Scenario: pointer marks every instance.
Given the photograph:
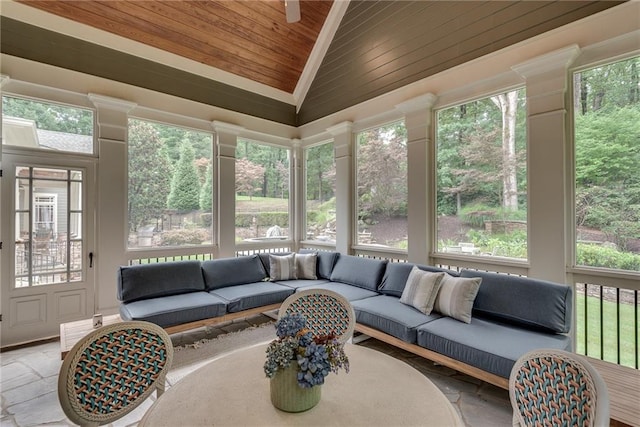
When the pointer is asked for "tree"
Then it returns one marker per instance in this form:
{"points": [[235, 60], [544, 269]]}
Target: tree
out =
{"points": [[185, 185], [149, 174], [321, 172], [248, 176], [50, 116], [508, 104], [382, 171], [206, 192]]}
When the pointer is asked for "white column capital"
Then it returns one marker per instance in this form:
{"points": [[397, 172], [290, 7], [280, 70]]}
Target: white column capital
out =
{"points": [[4, 79], [558, 60], [419, 103], [341, 128], [110, 103], [227, 128]]}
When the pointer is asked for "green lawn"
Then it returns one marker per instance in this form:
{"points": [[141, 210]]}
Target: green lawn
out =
{"points": [[628, 330]]}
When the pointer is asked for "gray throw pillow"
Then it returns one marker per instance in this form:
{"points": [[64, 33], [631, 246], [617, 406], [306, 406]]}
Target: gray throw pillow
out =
{"points": [[282, 267], [306, 266], [456, 297], [421, 289]]}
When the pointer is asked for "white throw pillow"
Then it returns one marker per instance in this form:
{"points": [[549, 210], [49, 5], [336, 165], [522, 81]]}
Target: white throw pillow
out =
{"points": [[421, 289], [282, 267], [306, 266], [456, 297]]}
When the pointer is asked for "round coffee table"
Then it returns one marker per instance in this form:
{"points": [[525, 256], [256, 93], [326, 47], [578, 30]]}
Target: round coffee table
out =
{"points": [[233, 390]]}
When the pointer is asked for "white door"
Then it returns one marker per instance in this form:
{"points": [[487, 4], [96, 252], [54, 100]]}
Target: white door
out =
{"points": [[48, 239]]}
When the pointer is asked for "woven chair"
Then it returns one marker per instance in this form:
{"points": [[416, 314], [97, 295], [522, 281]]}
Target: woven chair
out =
{"points": [[556, 388], [327, 312], [111, 371]]}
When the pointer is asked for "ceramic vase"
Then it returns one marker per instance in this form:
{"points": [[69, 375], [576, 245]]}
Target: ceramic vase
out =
{"points": [[288, 396]]}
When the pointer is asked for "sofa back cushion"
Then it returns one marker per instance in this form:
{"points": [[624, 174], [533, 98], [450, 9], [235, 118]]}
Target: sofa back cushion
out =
{"points": [[396, 275], [533, 303], [326, 262], [241, 270], [136, 282], [266, 262], [365, 273]]}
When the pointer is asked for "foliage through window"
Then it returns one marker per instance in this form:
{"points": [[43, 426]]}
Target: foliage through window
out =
{"points": [[41, 125], [262, 192], [170, 186], [320, 169], [481, 177], [382, 186], [607, 155]]}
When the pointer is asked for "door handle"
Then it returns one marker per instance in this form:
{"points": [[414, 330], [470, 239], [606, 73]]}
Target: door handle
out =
{"points": [[90, 259]]}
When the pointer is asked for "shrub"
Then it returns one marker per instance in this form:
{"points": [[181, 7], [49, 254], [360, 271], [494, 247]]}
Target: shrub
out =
{"points": [[263, 219], [192, 236], [606, 257]]}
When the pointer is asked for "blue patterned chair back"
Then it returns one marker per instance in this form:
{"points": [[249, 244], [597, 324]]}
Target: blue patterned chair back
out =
{"points": [[557, 388], [112, 370], [327, 312]]}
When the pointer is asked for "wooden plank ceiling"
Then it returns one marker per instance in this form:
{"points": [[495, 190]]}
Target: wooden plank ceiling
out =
{"points": [[251, 39]]}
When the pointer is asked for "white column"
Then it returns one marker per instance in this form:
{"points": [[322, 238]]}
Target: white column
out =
{"points": [[343, 148], [112, 197], [546, 84], [225, 215], [421, 177], [297, 193]]}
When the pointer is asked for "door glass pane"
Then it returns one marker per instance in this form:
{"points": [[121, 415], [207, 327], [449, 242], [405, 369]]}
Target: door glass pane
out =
{"points": [[48, 227]]}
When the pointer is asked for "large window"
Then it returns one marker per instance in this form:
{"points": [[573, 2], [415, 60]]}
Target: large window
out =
{"points": [[481, 177], [40, 125], [170, 186], [320, 208], [382, 186], [262, 192], [607, 165]]}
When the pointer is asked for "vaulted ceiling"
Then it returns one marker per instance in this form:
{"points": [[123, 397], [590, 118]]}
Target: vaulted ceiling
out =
{"points": [[243, 56], [250, 39]]}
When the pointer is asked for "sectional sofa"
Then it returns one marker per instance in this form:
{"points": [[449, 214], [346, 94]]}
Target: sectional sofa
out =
{"points": [[507, 315]]}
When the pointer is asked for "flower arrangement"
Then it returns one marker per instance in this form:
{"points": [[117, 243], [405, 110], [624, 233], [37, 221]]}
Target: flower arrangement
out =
{"points": [[316, 357]]}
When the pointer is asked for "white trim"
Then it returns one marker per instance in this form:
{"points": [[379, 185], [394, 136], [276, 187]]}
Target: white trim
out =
{"points": [[319, 50]]}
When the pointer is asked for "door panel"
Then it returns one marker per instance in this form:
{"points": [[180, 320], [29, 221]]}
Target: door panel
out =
{"points": [[46, 277]]}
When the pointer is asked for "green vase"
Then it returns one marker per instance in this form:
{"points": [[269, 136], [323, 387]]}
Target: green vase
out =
{"points": [[288, 396]]}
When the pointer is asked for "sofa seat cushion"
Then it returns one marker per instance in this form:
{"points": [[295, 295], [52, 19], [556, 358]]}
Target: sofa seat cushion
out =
{"points": [[252, 295], [389, 315], [302, 283], [223, 272], [358, 271], [532, 303], [491, 346], [137, 282], [351, 293], [175, 309]]}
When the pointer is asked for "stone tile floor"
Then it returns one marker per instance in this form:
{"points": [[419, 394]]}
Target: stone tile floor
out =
{"points": [[29, 375]]}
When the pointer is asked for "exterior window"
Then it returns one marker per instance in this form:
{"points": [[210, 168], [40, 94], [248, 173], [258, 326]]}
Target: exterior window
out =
{"points": [[382, 186], [262, 192], [39, 125], [170, 186], [320, 169], [481, 177], [48, 226], [607, 155]]}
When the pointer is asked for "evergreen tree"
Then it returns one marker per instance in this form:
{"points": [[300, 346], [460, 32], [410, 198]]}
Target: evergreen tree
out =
{"points": [[185, 185], [206, 192], [149, 174]]}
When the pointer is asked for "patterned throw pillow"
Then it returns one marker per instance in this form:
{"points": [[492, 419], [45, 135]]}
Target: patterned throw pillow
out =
{"points": [[421, 289], [282, 267], [456, 297], [306, 266]]}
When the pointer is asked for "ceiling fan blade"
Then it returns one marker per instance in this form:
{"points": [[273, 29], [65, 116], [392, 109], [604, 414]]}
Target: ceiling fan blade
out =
{"points": [[292, 8]]}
